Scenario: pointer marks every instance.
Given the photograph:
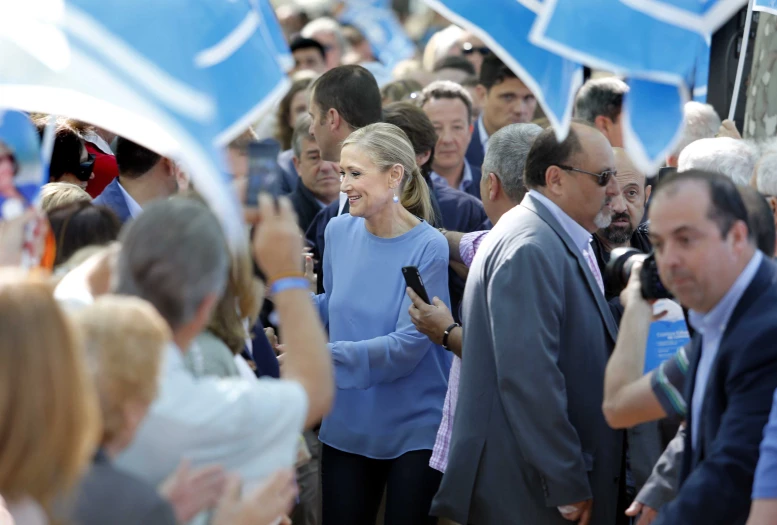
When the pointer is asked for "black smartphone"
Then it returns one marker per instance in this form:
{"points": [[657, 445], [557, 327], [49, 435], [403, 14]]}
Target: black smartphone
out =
{"points": [[414, 282], [264, 173]]}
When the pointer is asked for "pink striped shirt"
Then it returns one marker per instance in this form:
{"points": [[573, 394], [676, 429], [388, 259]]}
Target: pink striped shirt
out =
{"points": [[468, 247]]}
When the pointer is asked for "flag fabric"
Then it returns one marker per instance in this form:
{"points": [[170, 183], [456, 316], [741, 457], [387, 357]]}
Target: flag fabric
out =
{"points": [[21, 169], [702, 16], [766, 6], [662, 61], [182, 78], [382, 29], [504, 25]]}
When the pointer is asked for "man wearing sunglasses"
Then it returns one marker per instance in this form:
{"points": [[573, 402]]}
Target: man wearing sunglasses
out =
{"points": [[529, 441], [474, 50]]}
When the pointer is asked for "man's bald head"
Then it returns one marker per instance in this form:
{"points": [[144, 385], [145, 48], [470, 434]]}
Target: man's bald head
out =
{"points": [[629, 207]]}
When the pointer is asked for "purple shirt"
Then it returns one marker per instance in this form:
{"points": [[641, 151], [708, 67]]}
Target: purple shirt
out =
{"points": [[468, 247]]}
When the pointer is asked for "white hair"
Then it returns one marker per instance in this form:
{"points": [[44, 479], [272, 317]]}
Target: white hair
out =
{"points": [[766, 174], [326, 25], [701, 122], [506, 156], [730, 157], [440, 45]]}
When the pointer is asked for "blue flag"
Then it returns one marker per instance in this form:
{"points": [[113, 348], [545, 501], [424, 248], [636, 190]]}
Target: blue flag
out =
{"points": [[382, 29], [662, 61], [702, 16], [504, 25], [767, 6], [21, 169], [182, 78]]}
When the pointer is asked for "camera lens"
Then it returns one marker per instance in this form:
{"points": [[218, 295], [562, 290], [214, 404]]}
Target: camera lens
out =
{"points": [[618, 269]]}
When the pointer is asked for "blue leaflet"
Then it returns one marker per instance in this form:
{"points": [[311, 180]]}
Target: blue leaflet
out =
{"points": [[504, 25], [666, 335]]}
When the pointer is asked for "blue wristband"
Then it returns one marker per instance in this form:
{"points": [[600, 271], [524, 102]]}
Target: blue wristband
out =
{"points": [[289, 283]]}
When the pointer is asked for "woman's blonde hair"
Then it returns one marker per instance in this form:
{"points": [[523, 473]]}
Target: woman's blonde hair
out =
{"points": [[241, 300], [125, 339], [56, 194], [387, 145], [50, 422]]}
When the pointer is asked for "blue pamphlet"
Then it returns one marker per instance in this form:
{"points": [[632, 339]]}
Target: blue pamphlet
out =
{"points": [[667, 335]]}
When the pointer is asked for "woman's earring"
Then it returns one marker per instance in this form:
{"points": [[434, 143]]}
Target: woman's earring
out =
{"points": [[396, 198]]}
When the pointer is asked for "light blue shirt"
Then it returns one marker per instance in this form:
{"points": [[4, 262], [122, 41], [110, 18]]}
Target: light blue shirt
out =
{"points": [[579, 235], [466, 178], [712, 326], [391, 379], [133, 207]]}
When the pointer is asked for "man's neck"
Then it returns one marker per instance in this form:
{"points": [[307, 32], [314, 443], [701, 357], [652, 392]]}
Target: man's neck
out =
{"points": [[490, 128], [500, 207], [143, 189], [453, 175]]}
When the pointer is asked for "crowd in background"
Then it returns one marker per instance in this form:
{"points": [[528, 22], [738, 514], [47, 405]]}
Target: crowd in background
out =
{"points": [[158, 377]]}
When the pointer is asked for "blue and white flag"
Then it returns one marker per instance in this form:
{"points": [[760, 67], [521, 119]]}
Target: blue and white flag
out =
{"points": [[767, 6], [21, 169], [701, 75], [382, 29], [702, 16], [180, 77], [504, 25], [661, 60]]}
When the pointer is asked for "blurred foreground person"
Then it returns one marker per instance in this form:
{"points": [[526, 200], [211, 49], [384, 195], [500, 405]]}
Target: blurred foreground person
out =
{"points": [[114, 330], [81, 224], [391, 380], [55, 194], [51, 419], [181, 269]]}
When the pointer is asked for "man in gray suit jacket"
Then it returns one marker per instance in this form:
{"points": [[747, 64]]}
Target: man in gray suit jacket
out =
{"points": [[530, 444]]}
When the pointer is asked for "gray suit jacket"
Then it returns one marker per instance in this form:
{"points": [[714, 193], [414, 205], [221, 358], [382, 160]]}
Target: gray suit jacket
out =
{"points": [[108, 495], [529, 434]]}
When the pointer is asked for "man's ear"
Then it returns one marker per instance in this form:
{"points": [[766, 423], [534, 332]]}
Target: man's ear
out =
{"points": [[603, 124], [482, 92], [648, 191], [494, 185], [295, 161], [772, 200], [334, 120], [553, 179], [423, 158]]}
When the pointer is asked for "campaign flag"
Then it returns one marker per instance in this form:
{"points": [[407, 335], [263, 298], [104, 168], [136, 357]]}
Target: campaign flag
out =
{"points": [[182, 78], [21, 169], [504, 25], [767, 6], [702, 16], [661, 60], [382, 29]]}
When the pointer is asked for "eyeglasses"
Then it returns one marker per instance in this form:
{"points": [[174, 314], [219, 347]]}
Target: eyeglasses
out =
{"points": [[468, 49], [602, 178], [85, 170]]}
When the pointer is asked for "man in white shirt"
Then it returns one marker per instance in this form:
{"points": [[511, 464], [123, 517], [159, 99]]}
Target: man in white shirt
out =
{"points": [[250, 427], [144, 176]]}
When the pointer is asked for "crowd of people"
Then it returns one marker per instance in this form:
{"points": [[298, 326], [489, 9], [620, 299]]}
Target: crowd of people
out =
{"points": [[156, 376]]}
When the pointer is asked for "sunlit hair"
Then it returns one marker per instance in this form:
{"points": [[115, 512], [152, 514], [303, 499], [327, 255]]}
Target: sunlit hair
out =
{"points": [[387, 145], [50, 421], [125, 339], [56, 194], [283, 131]]}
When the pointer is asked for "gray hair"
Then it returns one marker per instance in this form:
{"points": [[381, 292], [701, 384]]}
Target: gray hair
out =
{"points": [[506, 157], [447, 89], [766, 174], [600, 97], [732, 158], [301, 131], [174, 255], [326, 25], [701, 122]]}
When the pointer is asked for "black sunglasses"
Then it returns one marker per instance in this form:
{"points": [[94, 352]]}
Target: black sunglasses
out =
{"points": [[602, 178], [85, 169], [468, 49]]}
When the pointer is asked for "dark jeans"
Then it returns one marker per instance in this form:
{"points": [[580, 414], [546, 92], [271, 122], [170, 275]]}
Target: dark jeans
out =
{"points": [[353, 487]]}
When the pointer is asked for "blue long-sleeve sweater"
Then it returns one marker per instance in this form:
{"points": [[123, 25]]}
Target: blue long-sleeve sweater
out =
{"points": [[391, 380]]}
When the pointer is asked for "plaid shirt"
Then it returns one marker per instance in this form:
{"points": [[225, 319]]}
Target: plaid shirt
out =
{"points": [[468, 247]]}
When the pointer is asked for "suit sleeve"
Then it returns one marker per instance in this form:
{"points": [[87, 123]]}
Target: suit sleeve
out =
{"points": [[661, 486], [526, 307], [361, 364], [718, 489], [160, 514]]}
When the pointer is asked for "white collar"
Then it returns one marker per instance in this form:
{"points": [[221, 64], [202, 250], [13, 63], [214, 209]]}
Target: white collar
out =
{"points": [[580, 236], [482, 133], [98, 141], [132, 205]]}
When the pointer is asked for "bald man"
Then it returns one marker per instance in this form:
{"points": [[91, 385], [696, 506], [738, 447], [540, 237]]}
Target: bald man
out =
{"points": [[624, 230]]}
